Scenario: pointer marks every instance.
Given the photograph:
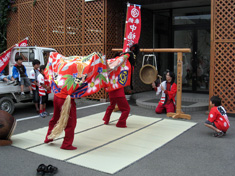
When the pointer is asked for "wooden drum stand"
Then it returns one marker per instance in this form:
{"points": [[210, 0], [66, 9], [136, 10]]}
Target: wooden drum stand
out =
{"points": [[180, 51]]}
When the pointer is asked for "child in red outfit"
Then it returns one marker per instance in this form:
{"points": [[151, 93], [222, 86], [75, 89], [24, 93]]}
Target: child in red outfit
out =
{"points": [[118, 97], [168, 89], [69, 129], [217, 118]]}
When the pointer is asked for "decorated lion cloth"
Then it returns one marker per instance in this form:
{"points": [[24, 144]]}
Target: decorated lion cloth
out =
{"points": [[80, 76]]}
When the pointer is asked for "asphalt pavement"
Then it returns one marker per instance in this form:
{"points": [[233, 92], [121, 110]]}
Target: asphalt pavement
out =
{"points": [[193, 153]]}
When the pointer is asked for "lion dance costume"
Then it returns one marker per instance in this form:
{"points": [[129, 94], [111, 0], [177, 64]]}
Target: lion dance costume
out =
{"points": [[78, 76]]}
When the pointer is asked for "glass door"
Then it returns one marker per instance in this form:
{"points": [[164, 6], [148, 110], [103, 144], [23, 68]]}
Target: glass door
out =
{"points": [[191, 29], [184, 39], [196, 65], [203, 59]]}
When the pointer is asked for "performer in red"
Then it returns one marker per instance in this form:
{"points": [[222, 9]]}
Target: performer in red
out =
{"points": [[168, 89], [70, 127], [117, 97]]}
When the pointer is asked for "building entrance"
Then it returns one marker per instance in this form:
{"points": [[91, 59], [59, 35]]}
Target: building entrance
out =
{"points": [[185, 28], [193, 31], [196, 65]]}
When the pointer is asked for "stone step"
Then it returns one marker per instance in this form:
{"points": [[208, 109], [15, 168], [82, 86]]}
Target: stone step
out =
{"points": [[189, 101], [186, 106], [191, 97]]}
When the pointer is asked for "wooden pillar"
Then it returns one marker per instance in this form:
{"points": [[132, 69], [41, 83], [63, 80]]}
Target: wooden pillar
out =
{"points": [[179, 113]]}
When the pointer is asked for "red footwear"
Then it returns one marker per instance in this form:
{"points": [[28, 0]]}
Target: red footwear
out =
{"points": [[69, 148], [106, 122], [121, 126], [48, 140]]}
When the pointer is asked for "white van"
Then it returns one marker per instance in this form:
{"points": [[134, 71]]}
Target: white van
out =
{"points": [[10, 94]]}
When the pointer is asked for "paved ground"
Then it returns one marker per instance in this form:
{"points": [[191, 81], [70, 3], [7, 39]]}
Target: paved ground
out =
{"points": [[194, 153]]}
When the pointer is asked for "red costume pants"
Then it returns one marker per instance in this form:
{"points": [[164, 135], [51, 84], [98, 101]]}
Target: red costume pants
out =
{"points": [[69, 129], [123, 107], [170, 107]]}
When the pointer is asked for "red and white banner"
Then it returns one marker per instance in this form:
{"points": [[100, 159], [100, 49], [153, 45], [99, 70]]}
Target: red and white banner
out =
{"points": [[133, 26], [121, 76], [5, 57]]}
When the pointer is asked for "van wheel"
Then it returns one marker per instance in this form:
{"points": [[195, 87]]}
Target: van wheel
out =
{"points": [[6, 104]]}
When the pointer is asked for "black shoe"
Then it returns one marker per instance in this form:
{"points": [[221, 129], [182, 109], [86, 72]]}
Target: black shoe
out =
{"points": [[10, 82], [219, 134], [42, 168], [15, 83], [51, 170]]}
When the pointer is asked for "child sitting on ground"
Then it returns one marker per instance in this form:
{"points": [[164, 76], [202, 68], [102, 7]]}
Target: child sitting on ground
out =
{"points": [[19, 73], [217, 118], [43, 89], [7, 78]]}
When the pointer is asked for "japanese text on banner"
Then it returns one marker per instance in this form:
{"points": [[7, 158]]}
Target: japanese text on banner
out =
{"points": [[133, 26]]}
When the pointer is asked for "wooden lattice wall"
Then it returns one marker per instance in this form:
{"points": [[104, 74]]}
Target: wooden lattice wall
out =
{"points": [[222, 74], [115, 26], [76, 27], [73, 27]]}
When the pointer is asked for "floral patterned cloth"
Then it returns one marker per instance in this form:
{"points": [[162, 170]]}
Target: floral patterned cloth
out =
{"points": [[80, 76]]}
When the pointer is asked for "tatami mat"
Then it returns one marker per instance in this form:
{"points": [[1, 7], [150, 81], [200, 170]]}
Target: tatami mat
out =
{"points": [[105, 147]]}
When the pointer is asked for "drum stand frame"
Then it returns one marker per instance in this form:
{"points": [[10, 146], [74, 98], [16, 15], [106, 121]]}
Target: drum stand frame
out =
{"points": [[154, 59], [179, 51]]}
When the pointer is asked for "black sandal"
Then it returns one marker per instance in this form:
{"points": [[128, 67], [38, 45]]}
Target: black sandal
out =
{"points": [[41, 169], [219, 134], [51, 170]]}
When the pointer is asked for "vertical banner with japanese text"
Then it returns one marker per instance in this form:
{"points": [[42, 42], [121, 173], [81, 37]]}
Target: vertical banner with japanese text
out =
{"points": [[121, 76], [5, 56], [133, 26]]}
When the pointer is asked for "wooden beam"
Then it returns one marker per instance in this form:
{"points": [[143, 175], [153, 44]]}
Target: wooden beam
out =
{"points": [[159, 50]]}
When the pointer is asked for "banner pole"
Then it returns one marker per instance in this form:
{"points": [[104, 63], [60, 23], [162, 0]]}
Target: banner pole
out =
{"points": [[125, 29], [134, 4]]}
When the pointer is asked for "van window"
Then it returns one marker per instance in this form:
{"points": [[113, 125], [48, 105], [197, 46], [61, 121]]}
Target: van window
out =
{"points": [[46, 55], [27, 56], [31, 57]]}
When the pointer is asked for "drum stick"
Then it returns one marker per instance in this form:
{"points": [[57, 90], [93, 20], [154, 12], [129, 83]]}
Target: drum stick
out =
{"points": [[160, 78]]}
